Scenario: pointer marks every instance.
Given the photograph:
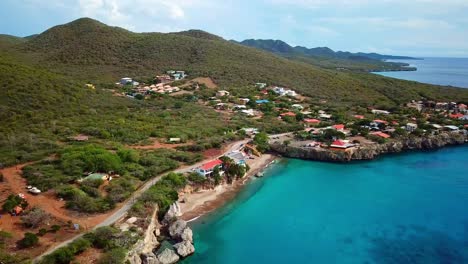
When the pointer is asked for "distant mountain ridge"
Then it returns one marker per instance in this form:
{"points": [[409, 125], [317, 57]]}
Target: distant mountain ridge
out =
{"points": [[281, 47]]}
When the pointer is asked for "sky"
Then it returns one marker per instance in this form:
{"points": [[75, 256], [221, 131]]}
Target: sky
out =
{"points": [[425, 28]]}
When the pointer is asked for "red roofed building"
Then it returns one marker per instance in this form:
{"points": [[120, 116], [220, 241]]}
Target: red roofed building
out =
{"points": [[288, 114], [207, 168], [311, 121], [341, 144], [339, 127], [381, 134], [359, 116], [378, 121], [462, 106], [456, 116]]}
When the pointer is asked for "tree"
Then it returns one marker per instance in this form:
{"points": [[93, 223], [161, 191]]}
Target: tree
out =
{"points": [[28, 241], [114, 256], [261, 141], [34, 217]]}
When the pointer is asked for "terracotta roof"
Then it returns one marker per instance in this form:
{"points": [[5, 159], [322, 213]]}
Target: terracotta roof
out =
{"points": [[381, 134], [210, 165], [312, 120], [339, 126], [380, 121], [288, 114], [338, 143], [458, 115], [359, 116]]}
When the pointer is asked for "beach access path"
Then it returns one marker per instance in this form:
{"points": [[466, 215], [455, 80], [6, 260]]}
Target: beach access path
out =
{"points": [[122, 211]]}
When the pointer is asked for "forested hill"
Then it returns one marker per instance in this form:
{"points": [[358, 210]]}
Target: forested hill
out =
{"points": [[89, 50], [279, 46]]}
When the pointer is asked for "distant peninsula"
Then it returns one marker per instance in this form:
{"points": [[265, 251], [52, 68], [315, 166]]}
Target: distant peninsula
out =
{"points": [[328, 58]]}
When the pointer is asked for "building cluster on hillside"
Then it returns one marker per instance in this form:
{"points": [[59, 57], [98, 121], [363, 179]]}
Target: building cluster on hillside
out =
{"points": [[161, 85]]}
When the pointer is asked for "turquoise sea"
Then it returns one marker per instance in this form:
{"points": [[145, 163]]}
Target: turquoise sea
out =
{"points": [[440, 71], [407, 208]]}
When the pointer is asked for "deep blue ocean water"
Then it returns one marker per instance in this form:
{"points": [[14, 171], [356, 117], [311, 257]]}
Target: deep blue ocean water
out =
{"points": [[408, 208], [441, 71]]}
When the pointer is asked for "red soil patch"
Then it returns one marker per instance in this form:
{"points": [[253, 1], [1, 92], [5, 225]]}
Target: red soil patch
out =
{"points": [[212, 153]]}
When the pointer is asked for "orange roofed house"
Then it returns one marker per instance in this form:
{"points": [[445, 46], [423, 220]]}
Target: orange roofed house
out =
{"points": [[207, 168]]}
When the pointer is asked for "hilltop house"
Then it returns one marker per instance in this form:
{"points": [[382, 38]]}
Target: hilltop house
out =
{"points": [[261, 85], [381, 134], [238, 157], [339, 127], [208, 168]]}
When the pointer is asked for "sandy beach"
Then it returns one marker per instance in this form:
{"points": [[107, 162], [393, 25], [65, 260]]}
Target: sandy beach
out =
{"points": [[199, 203]]}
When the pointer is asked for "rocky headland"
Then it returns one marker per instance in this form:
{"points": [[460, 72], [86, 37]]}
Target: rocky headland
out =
{"points": [[371, 151]]}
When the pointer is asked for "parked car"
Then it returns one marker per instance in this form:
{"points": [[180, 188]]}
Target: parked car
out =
{"points": [[34, 190]]}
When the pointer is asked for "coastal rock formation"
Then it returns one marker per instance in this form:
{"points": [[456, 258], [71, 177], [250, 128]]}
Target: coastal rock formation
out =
{"points": [[173, 212], [369, 152], [187, 235], [143, 249], [184, 248], [168, 256], [149, 258], [177, 228]]}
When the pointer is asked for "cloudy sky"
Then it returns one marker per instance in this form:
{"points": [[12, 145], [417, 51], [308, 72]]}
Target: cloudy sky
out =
{"points": [[400, 27]]}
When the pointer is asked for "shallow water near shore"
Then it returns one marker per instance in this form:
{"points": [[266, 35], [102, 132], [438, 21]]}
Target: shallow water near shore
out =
{"points": [[408, 208]]}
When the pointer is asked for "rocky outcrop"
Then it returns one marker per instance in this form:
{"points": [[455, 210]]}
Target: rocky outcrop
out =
{"points": [[177, 228], [149, 258], [168, 256], [184, 248], [173, 213], [372, 151], [187, 235], [144, 248]]}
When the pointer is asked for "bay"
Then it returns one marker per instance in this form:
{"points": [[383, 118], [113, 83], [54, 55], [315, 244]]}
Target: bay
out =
{"points": [[408, 208]]}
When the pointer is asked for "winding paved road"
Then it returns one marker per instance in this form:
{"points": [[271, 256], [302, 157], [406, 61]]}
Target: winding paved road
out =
{"points": [[122, 211]]}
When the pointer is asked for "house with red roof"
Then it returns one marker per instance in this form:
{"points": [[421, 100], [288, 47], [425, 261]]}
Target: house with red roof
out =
{"points": [[381, 134], [311, 121], [341, 144], [339, 127], [207, 168], [291, 114], [379, 121], [359, 116], [456, 116]]}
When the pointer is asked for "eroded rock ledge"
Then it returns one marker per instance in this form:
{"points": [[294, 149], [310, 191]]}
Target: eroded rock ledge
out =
{"points": [[372, 151]]}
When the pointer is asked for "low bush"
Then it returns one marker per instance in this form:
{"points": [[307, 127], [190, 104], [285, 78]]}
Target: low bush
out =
{"points": [[29, 240]]}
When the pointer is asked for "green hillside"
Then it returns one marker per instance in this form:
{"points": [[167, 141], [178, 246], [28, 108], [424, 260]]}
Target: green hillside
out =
{"points": [[89, 50]]}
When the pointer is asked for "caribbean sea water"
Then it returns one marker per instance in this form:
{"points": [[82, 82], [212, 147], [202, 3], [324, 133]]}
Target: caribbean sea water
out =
{"points": [[408, 208], [441, 71]]}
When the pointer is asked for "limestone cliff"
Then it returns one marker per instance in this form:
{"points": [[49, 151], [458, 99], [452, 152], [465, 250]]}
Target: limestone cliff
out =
{"points": [[372, 151]]}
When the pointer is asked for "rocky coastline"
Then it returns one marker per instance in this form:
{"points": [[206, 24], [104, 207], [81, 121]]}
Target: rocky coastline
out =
{"points": [[371, 151], [164, 243]]}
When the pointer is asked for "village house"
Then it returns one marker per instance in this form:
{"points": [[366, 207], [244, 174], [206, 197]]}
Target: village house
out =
{"points": [[238, 157], [244, 100], [290, 114], [248, 112], [261, 85], [250, 131], [339, 127], [381, 134], [163, 78], [342, 144], [263, 101], [298, 107], [208, 168], [359, 116], [222, 93], [380, 112], [410, 127], [451, 128], [311, 121]]}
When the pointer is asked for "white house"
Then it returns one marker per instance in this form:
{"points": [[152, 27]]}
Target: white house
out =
{"points": [[380, 112], [410, 127], [222, 93], [208, 168]]}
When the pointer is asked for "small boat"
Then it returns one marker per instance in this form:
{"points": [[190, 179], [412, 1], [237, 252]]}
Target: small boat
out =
{"points": [[259, 175]]}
